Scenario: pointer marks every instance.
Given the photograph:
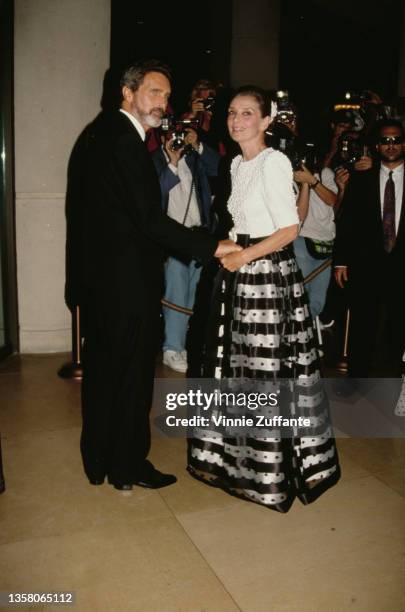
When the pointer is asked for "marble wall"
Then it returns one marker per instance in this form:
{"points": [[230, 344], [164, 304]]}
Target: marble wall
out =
{"points": [[61, 54]]}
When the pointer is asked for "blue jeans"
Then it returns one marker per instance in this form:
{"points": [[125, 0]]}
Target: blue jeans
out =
{"points": [[181, 284], [318, 287]]}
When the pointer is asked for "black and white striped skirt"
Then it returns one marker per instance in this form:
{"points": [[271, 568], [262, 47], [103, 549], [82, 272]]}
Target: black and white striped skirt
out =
{"points": [[261, 330]]}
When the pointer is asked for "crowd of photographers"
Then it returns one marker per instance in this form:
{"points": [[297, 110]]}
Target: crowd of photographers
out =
{"points": [[355, 218], [349, 190]]}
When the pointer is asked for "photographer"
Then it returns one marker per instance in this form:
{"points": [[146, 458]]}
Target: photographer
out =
{"points": [[183, 165], [316, 199], [352, 162], [351, 156], [202, 108], [201, 103], [315, 240], [342, 121]]}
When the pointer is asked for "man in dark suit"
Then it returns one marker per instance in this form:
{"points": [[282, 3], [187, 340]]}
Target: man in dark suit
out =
{"points": [[370, 255], [115, 240]]}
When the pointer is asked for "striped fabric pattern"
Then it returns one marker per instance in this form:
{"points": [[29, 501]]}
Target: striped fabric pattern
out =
{"points": [[262, 330]]}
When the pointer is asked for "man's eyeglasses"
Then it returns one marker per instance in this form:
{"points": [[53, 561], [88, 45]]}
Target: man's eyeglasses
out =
{"points": [[386, 140]]}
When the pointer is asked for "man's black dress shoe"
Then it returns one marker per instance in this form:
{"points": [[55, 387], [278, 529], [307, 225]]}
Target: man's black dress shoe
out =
{"points": [[121, 486], [96, 481], [151, 478]]}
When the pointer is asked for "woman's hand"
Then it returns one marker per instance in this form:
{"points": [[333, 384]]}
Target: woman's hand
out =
{"points": [[234, 261]]}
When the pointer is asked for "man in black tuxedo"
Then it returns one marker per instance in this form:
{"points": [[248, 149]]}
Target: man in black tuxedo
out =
{"points": [[116, 232], [369, 254]]}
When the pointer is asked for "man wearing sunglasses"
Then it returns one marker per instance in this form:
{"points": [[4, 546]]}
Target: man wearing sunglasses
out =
{"points": [[369, 256]]}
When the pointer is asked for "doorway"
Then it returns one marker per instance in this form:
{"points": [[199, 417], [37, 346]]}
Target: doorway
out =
{"points": [[8, 285]]}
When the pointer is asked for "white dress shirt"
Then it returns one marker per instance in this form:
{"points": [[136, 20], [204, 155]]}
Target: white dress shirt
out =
{"points": [[180, 193], [135, 123], [398, 178]]}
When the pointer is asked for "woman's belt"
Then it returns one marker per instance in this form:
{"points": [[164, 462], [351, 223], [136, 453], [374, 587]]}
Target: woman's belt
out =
{"points": [[244, 240]]}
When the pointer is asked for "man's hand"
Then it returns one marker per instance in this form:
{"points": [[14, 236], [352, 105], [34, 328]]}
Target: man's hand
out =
{"points": [[341, 178], [341, 276], [234, 261], [225, 247], [364, 163]]}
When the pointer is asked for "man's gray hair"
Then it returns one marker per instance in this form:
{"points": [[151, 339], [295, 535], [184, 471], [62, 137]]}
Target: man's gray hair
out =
{"points": [[134, 75]]}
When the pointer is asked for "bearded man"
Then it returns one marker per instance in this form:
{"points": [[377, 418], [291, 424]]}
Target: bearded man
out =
{"points": [[116, 233]]}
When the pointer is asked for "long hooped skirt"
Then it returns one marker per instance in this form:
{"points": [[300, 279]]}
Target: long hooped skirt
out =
{"points": [[261, 330]]}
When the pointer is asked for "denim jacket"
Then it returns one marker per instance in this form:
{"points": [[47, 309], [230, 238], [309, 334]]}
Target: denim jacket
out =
{"points": [[207, 165]]}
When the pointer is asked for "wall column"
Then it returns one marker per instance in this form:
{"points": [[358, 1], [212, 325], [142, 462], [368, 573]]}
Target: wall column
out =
{"points": [[255, 43], [401, 71], [60, 56]]}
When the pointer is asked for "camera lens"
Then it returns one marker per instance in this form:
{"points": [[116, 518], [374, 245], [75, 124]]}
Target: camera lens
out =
{"points": [[178, 143]]}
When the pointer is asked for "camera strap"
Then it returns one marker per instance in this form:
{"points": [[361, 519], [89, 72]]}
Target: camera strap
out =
{"points": [[192, 188]]}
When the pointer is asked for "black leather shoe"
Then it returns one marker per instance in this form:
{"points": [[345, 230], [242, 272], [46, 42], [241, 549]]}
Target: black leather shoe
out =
{"points": [[121, 486], [151, 478], [96, 481]]}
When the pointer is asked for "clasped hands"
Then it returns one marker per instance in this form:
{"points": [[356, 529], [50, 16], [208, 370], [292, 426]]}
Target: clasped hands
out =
{"points": [[232, 255]]}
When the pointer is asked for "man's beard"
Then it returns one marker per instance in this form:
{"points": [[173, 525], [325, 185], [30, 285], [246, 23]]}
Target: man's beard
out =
{"points": [[151, 119]]}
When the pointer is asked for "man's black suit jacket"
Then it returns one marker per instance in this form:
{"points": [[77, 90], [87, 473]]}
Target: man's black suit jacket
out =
{"points": [[116, 231], [359, 240]]}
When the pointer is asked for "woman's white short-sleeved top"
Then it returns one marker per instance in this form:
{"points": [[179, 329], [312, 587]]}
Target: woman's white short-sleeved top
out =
{"points": [[262, 199]]}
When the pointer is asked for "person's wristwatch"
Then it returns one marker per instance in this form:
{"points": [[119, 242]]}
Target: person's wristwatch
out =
{"points": [[315, 184]]}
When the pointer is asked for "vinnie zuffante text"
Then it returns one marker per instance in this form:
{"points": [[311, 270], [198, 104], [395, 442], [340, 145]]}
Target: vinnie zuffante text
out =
{"points": [[215, 401]]}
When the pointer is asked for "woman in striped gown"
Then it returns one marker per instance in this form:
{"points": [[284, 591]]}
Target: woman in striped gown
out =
{"points": [[261, 331]]}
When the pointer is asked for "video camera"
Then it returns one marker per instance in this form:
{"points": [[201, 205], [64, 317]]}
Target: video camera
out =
{"points": [[283, 135], [285, 110], [361, 102], [299, 153], [179, 129]]}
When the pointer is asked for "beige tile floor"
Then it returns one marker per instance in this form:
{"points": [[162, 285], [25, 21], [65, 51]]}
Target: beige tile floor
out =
{"points": [[189, 547]]}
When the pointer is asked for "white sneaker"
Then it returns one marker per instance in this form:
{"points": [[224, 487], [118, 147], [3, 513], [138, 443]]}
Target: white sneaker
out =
{"points": [[326, 325], [175, 360]]}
